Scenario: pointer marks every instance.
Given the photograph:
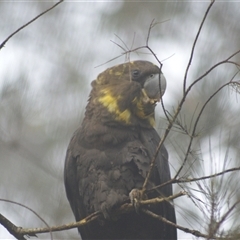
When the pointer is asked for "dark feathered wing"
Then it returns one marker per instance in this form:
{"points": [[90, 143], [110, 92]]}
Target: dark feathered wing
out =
{"points": [[161, 174]]}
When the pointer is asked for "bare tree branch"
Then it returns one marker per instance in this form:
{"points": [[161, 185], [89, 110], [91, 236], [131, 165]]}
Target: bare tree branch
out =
{"points": [[19, 232], [16, 231], [187, 230], [194, 45], [188, 180], [13, 229], [192, 135], [213, 231], [28, 23]]}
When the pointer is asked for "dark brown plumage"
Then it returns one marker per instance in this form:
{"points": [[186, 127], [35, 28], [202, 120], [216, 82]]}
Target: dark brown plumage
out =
{"points": [[110, 154]]}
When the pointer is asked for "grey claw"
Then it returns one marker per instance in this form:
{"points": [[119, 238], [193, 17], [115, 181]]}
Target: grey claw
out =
{"points": [[135, 196]]}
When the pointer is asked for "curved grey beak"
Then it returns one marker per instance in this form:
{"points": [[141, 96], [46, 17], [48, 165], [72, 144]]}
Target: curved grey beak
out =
{"points": [[155, 86]]}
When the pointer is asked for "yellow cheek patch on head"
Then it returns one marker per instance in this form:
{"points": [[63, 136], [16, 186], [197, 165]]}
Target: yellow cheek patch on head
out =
{"points": [[111, 103]]}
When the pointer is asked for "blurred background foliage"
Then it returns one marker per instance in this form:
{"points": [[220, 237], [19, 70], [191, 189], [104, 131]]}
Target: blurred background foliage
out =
{"points": [[45, 75]]}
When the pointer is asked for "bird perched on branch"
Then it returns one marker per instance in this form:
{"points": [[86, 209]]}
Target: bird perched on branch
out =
{"points": [[109, 156]]}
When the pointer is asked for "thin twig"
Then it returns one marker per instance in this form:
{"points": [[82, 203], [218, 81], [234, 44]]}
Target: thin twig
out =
{"points": [[224, 218], [188, 180], [162, 199], [187, 230], [212, 68], [194, 45], [152, 24], [25, 25]]}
